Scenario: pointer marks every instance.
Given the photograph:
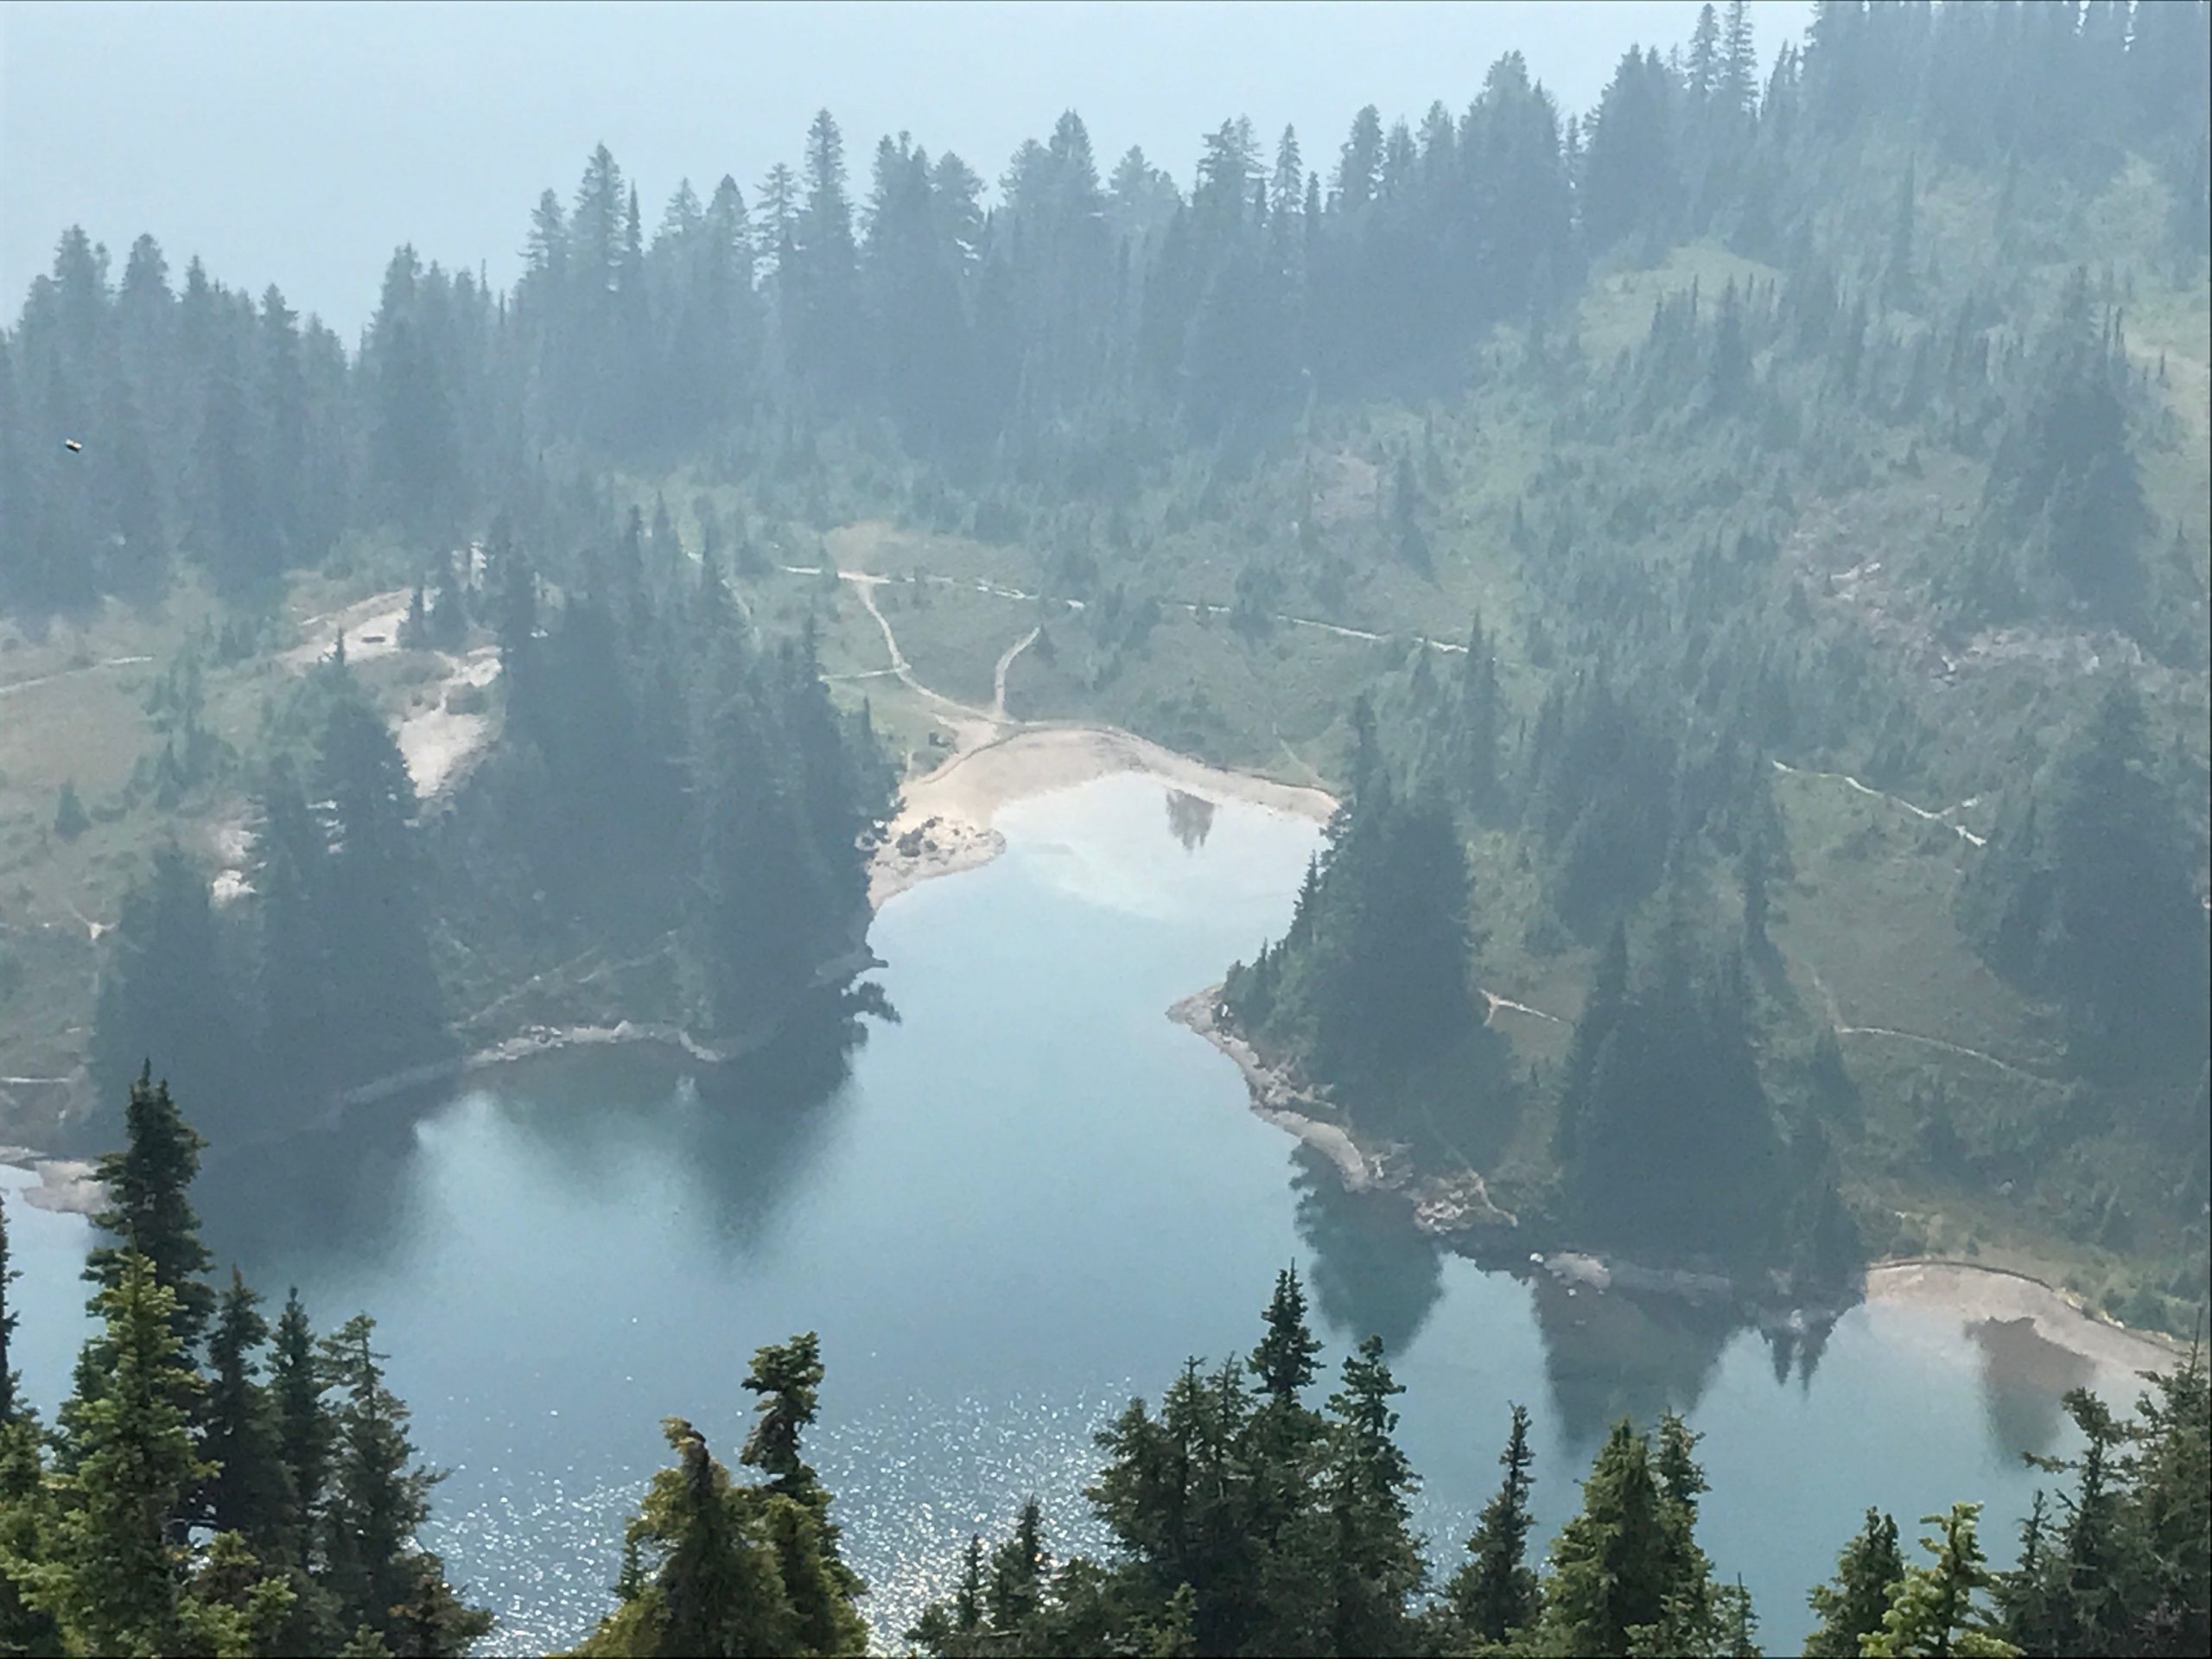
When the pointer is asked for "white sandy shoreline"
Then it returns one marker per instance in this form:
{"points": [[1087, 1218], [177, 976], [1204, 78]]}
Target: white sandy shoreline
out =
{"points": [[947, 814], [1974, 1293]]}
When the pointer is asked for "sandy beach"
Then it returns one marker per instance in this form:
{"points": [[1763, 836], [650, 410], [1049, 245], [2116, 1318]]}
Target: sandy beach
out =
{"points": [[1975, 1295], [945, 816]]}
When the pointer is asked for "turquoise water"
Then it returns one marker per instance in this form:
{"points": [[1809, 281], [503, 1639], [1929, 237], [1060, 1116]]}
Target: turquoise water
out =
{"points": [[1031, 1197]]}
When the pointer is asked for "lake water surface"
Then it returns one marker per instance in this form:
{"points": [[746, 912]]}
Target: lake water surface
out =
{"points": [[1032, 1197]]}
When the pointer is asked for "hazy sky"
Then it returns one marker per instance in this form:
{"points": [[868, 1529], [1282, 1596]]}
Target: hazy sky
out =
{"points": [[300, 143]]}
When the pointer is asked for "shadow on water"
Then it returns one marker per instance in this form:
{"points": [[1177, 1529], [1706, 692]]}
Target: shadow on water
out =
{"points": [[2025, 1377], [747, 1130], [759, 1122], [1797, 1349], [1371, 1275], [1619, 1355], [319, 1191], [1190, 817]]}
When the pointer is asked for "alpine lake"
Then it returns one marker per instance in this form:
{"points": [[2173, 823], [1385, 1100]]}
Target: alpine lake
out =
{"points": [[1029, 1198]]}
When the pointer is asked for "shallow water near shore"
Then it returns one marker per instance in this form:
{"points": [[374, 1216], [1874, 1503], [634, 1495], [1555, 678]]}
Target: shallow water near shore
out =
{"points": [[1031, 1197]]}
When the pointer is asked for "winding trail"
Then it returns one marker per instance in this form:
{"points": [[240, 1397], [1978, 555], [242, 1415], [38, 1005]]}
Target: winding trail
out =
{"points": [[2005, 1066], [1006, 662], [904, 670], [1921, 813], [1497, 1002], [1299, 761], [10, 690], [1835, 1023], [867, 579]]}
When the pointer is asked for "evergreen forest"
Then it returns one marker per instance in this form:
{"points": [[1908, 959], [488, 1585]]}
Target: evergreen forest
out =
{"points": [[1739, 553], [1737, 558]]}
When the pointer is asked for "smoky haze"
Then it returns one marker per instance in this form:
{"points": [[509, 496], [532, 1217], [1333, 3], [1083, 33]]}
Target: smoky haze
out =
{"points": [[301, 144]]}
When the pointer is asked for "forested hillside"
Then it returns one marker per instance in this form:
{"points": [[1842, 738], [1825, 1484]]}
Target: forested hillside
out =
{"points": [[218, 1484], [665, 787], [1740, 551]]}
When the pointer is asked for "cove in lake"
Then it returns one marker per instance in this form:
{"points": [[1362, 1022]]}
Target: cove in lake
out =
{"points": [[1031, 1197]]}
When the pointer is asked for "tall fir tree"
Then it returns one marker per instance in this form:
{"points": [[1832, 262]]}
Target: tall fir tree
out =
{"points": [[248, 1494], [1495, 1592], [148, 1213]]}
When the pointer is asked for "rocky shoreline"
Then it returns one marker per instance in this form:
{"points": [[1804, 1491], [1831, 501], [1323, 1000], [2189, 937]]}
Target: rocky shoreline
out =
{"points": [[66, 1185], [1441, 1205], [1460, 1214], [537, 1040], [945, 827]]}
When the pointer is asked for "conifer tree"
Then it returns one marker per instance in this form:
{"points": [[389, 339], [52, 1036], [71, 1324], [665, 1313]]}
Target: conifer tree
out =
{"points": [[289, 872], [448, 616], [2022, 1596], [1283, 1361], [1608, 1577], [26, 1518], [1704, 65], [432, 1622], [1496, 1592], [1018, 1571], [2166, 1466], [1603, 1008], [818, 1586], [1699, 1615], [237, 1606], [162, 991], [28, 1533], [1738, 86], [1934, 1609], [379, 1495], [10, 1382], [1852, 1605], [714, 1590], [114, 1579], [374, 893], [1481, 714], [296, 1384], [248, 1494], [149, 1211], [1377, 1562], [70, 820], [2082, 892], [786, 1376]]}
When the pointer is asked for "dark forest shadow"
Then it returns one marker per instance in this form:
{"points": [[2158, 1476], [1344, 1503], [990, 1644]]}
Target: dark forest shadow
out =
{"points": [[1372, 1274], [1612, 1354]]}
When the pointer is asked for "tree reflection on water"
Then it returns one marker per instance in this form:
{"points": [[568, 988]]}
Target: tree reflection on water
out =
{"points": [[1190, 817]]}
